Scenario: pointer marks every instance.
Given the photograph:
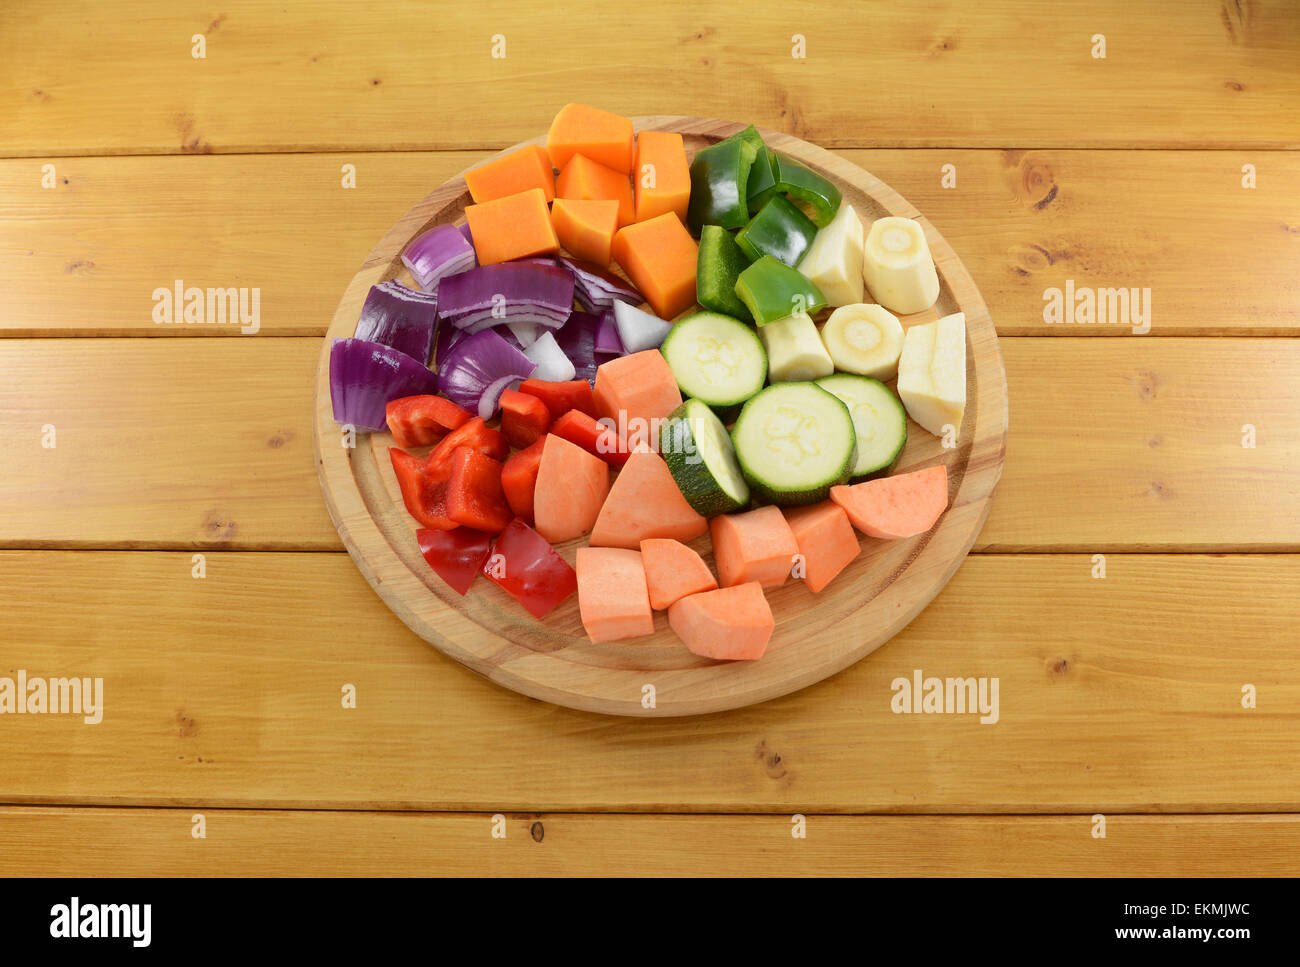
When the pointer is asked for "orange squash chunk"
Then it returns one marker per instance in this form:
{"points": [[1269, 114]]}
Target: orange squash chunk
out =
{"points": [[601, 136], [513, 227], [661, 177], [585, 180], [518, 171], [586, 228], [659, 257]]}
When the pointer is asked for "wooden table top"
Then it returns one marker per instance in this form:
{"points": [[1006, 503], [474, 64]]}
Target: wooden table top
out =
{"points": [[1136, 590]]}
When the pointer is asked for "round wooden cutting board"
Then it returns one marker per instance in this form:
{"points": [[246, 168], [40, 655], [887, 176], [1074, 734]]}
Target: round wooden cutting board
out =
{"points": [[816, 635]]}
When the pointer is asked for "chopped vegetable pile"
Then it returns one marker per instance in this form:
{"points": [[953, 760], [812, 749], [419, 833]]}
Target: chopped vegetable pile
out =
{"points": [[631, 345]]}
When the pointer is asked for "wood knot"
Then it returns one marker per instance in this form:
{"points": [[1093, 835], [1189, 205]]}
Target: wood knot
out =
{"points": [[1035, 183], [537, 831], [941, 46], [1236, 19], [772, 762], [218, 526], [1147, 385], [186, 726], [1031, 258], [1060, 666]]}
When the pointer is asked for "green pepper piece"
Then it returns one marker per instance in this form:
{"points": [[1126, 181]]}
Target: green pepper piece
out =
{"points": [[773, 290], [779, 230], [717, 267], [762, 180], [749, 134], [821, 198], [719, 174]]}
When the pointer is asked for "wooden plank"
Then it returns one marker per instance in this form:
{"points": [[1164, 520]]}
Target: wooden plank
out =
{"points": [[314, 76], [158, 842], [1121, 694], [113, 230], [201, 442], [1022, 222], [206, 443]]}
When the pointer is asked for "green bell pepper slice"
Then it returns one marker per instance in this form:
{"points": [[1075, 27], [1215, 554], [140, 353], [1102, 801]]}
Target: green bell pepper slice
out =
{"points": [[762, 180], [819, 197], [719, 177], [718, 265], [772, 290], [749, 135], [780, 230]]}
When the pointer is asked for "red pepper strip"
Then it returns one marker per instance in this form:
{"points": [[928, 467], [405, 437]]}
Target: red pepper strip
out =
{"points": [[519, 479], [474, 495], [421, 421], [524, 418], [562, 397], [425, 494], [577, 427], [474, 434], [457, 556], [528, 569]]}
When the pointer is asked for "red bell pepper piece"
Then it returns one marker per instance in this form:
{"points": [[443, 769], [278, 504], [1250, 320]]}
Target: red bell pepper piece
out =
{"points": [[519, 479], [474, 495], [456, 556], [423, 493], [474, 434], [421, 421], [577, 427], [524, 418], [562, 397], [527, 568]]}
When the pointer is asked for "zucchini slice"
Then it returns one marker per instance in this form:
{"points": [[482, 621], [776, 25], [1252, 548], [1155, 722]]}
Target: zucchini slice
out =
{"points": [[879, 422], [794, 441], [698, 451], [716, 359]]}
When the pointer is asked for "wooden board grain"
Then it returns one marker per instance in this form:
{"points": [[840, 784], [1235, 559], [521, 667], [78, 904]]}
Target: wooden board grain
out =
{"points": [[816, 635], [1120, 694], [315, 76], [106, 235], [205, 443], [157, 842]]}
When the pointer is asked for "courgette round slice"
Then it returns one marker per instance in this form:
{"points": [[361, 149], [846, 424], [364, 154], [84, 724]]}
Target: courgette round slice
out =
{"points": [[715, 358], [794, 441], [699, 454], [879, 422]]}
